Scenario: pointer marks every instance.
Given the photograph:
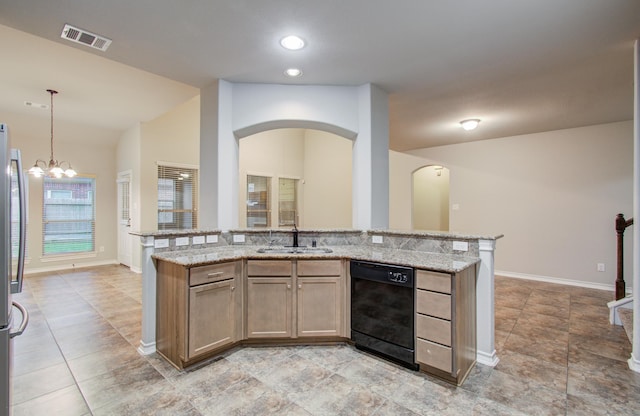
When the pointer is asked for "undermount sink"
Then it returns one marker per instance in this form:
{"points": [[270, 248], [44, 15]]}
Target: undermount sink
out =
{"points": [[295, 250]]}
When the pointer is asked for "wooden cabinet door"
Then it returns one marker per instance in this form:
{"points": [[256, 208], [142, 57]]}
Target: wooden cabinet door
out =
{"points": [[269, 307], [320, 310], [212, 316]]}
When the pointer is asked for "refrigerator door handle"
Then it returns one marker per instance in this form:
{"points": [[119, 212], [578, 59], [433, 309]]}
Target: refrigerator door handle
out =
{"points": [[23, 324], [16, 286]]}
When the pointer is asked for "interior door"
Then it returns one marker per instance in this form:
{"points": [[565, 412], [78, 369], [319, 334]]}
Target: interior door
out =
{"points": [[124, 219]]}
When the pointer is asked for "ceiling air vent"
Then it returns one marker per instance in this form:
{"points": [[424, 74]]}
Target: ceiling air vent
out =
{"points": [[92, 40]]}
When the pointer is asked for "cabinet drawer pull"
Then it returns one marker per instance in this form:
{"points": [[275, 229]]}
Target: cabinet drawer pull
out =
{"points": [[288, 286], [299, 286], [233, 288], [215, 274]]}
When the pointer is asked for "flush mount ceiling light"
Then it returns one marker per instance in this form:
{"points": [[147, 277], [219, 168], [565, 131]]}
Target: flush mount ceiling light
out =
{"points": [[293, 72], [53, 169], [292, 42], [470, 124]]}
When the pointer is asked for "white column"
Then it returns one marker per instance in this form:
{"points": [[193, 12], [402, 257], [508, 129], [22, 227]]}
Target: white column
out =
{"points": [[634, 361], [208, 170], [228, 160], [485, 302], [148, 341], [371, 160]]}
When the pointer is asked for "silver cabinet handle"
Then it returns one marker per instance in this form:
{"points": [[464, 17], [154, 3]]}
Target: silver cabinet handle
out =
{"points": [[215, 274], [299, 286]]}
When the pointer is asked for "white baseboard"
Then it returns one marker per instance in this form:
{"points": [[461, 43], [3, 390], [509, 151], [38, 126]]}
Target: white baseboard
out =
{"points": [[69, 266], [146, 349], [136, 270], [600, 286], [487, 359]]}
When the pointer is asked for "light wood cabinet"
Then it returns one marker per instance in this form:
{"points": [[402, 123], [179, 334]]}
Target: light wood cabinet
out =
{"points": [[199, 310], [290, 299], [269, 307], [321, 303], [446, 323], [269, 298]]}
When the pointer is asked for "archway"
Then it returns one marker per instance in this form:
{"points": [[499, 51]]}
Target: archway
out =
{"points": [[314, 163], [430, 198]]}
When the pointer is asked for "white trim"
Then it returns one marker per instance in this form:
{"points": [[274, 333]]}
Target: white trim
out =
{"points": [[634, 364], [67, 257], [146, 349], [72, 266], [614, 305], [557, 280], [487, 359], [136, 270]]}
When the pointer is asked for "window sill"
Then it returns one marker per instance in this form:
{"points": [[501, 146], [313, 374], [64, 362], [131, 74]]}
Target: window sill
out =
{"points": [[70, 256]]}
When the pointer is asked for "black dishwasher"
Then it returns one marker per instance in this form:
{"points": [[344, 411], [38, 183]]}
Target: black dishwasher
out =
{"points": [[382, 310]]}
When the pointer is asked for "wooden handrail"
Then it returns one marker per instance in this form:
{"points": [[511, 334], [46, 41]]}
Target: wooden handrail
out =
{"points": [[621, 226]]}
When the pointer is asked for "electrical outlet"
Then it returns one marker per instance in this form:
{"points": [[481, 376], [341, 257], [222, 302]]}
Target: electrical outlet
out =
{"points": [[601, 267], [376, 239], [197, 239], [182, 241], [238, 238], [212, 238]]}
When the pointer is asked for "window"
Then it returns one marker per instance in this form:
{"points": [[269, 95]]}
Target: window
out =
{"points": [[288, 202], [258, 201], [177, 197], [68, 215]]}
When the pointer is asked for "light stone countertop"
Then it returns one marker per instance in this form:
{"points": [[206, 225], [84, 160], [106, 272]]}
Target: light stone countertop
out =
{"points": [[448, 263]]}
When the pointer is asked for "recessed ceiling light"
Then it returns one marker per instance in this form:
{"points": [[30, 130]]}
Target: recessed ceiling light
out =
{"points": [[470, 124], [293, 72], [292, 42]]}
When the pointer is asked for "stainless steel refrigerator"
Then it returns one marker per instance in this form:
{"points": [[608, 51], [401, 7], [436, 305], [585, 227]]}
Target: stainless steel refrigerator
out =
{"points": [[13, 316]]}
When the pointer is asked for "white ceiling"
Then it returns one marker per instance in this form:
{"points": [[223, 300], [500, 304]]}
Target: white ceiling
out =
{"points": [[522, 66]]}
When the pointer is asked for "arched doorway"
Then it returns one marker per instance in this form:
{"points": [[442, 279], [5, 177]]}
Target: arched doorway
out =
{"points": [[430, 198], [289, 175]]}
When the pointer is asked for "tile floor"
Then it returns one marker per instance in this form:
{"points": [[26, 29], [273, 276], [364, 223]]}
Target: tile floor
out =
{"points": [[558, 355]]}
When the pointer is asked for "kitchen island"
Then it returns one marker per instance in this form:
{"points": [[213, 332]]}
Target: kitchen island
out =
{"points": [[438, 252]]}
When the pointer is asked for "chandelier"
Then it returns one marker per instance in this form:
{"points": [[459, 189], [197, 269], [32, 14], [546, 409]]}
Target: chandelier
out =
{"points": [[53, 169]]}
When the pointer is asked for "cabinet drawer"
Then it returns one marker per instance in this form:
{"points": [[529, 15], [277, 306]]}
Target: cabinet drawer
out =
{"points": [[269, 268], [319, 268], [434, 304], [438, 282], [433, 329], [212, 273], [435, 355]]}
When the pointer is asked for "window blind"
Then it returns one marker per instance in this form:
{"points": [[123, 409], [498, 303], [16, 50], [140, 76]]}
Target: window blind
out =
{"points": [[177, 197], [258, 201], [68, 215]]}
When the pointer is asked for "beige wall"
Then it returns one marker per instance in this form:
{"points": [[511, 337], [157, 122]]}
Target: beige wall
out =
{"points": [[91, 151], [553, 195], [322, 160], [173, 138], [327, 175], [431, 198]]}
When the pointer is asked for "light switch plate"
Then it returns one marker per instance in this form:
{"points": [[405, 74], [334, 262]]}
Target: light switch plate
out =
{"points": [[212, 239], [460, 246], [376, 239], [238, 238], [182, 241], [198, 239], [162, 243]]}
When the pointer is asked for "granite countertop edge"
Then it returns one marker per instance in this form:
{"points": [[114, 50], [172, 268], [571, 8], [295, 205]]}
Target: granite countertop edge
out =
{"points": [[448, 263]]}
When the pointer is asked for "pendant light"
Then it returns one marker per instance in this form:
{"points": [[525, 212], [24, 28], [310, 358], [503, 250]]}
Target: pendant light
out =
{"points": [[53, 169]]}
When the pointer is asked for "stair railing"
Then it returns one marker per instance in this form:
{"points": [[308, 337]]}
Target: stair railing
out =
{"points": [[621, 226]]}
